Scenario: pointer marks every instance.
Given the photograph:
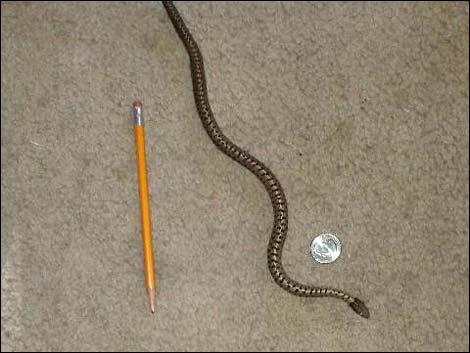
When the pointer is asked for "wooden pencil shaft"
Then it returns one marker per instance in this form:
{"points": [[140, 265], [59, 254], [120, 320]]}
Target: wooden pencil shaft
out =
{"points": [[144, 204]]}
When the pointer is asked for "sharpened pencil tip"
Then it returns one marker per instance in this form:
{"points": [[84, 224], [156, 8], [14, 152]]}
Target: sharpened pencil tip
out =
{"points": [[151, 296]]}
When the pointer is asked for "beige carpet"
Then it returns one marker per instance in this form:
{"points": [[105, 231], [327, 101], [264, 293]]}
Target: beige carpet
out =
{"points": [[361, 110]]}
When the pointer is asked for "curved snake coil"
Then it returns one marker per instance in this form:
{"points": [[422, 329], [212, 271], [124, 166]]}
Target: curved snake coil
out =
{"points": [[263, 173]]}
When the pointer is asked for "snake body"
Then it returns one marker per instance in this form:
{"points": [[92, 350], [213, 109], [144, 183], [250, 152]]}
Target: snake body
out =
{"points": [[261, 171]]}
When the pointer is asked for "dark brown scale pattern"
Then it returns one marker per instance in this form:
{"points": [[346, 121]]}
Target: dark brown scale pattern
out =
{"points": [[263, 173]]}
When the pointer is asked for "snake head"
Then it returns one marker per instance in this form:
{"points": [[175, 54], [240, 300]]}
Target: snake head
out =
{"points": [[359, 307]]}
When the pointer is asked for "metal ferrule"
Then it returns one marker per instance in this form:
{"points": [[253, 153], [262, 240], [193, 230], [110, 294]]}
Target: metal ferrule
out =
{"points": [[138, 119]]}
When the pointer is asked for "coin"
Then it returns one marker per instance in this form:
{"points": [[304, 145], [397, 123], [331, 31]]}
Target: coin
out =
{"points": [[325, 248]]}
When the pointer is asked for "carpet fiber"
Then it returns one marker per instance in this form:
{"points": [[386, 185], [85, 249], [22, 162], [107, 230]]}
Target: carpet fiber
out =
{"points": [[360, 109]]}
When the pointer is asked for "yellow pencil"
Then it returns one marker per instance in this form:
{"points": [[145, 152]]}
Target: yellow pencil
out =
{"points": [[144, 203]]}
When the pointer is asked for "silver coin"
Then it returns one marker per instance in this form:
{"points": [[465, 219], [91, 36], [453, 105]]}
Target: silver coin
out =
{"points": [[325, 248]]}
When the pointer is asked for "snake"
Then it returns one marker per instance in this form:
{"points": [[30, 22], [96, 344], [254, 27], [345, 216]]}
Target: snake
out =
{"points": [[259, 169]]}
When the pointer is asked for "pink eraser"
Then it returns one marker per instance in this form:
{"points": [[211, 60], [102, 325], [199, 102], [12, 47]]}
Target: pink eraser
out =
{"points": [[137, 104]]}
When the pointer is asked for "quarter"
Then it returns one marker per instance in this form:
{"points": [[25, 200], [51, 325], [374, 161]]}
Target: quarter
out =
{"points": [[325, 248]]}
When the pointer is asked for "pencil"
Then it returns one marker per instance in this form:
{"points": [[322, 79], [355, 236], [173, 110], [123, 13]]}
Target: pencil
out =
{"points": [[144, 204]]}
